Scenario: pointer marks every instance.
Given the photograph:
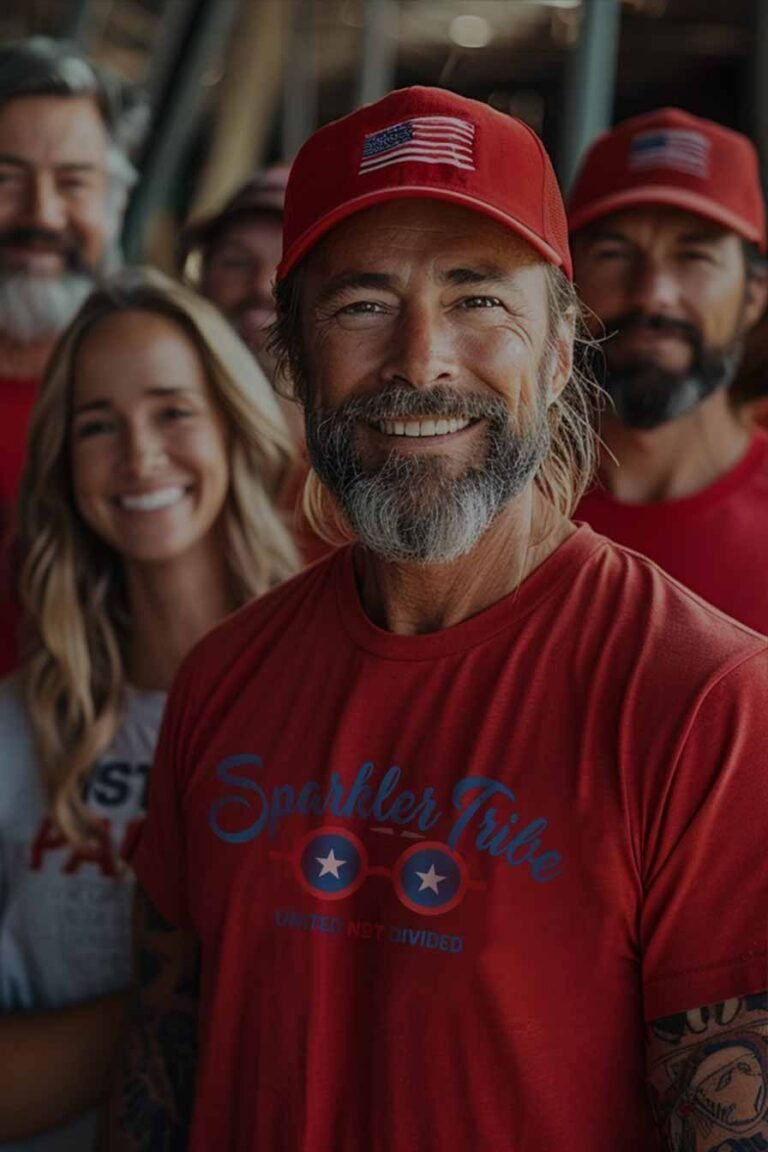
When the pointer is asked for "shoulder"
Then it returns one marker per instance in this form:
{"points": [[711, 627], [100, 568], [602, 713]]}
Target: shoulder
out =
{"points": [[678, 637], [261, 625]]}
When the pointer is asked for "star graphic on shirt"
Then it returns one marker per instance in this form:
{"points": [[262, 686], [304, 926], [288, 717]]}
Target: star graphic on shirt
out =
{"points": [[330, 865], [430, 880]]}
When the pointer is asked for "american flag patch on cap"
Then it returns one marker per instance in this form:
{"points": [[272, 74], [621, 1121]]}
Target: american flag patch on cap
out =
{"points": [[676, 148], [425, 139]]}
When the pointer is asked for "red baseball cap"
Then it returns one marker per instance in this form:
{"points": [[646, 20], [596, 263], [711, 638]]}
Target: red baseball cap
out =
{"points": [[671, 157], [425, 143]]}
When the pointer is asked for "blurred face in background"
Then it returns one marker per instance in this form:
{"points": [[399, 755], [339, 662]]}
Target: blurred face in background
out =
{"points": [[674, 295], [238, 275], [149, 445], [55, 221]]}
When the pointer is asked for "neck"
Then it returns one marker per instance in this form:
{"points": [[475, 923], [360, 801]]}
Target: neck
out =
{"points": [[412, 599], [172, 606], [19, 361], [676, 460]]}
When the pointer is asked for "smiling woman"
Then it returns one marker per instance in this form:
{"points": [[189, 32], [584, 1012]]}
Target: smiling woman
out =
{"points": [[156, 452]]}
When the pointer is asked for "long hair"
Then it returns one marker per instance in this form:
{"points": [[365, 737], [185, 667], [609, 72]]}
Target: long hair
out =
{"points": [[77, 615], [567, 469]]}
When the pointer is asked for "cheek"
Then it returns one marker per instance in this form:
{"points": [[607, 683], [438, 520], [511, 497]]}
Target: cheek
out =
{"points": [[92, 225]]}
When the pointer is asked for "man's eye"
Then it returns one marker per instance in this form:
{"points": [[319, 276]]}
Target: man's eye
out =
{"points": [[362, 308], [476, 302], [697, 256], [611, 254]]}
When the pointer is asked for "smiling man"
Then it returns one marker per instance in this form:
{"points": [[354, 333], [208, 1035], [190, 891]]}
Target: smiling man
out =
{"points": [[439, 853], [64, 180], [668, 227]]}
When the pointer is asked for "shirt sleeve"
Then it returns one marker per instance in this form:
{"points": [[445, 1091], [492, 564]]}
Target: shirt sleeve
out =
{"points": [[705, 908], [159, 860]]}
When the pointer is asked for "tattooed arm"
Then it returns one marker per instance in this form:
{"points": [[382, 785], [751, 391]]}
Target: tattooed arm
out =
{"points": [[708, 1073], [151, 1101]]}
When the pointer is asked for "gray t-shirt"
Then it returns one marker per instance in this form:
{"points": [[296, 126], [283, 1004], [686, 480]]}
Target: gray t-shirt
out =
{"points": [[65, 914]]}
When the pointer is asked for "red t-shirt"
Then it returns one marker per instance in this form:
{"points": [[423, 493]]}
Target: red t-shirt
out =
{"points": [[17, 398], [715, 542], [441, 880]]}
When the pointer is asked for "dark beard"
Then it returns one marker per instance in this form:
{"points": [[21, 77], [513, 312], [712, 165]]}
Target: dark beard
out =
{"points": [[646, 396], [416, 509]]}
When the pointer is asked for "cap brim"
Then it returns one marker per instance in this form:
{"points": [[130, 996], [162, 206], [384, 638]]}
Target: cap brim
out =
{"points": [[660, 194], [308, 239]]}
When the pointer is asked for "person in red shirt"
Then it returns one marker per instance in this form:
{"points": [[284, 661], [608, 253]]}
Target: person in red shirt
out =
{"points": [[456, 834], [64, 180], [237, 251], [668, 231]]}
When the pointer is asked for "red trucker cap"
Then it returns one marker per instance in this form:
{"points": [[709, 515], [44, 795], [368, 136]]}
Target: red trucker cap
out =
{"points": [[430, 144], [263, 192], [673, 158]]}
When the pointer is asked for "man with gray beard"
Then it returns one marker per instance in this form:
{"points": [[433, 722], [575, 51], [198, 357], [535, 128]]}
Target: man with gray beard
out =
{"points": [[440, 850], [64, 179]]}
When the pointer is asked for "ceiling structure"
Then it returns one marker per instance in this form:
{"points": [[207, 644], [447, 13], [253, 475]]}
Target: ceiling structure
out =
{"points": [[511, 53]]}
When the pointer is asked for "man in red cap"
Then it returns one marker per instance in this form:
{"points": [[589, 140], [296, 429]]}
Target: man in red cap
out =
{"points": [[441, 844], [668, 227], [238, 250]]}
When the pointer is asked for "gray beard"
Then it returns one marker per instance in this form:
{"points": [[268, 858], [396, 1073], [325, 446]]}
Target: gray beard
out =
{"points": [[416, 509], [37, 308]]}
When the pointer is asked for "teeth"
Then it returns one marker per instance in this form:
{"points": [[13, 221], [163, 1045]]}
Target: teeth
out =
{"points": [[152, 501], [421, 427]]}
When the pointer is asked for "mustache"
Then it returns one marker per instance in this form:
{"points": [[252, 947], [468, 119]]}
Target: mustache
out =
{"points": [[654, 322], [57, 242], [395, 402], [266, 303]]}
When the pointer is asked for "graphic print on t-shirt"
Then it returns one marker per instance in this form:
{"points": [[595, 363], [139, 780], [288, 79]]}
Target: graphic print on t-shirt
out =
{"points": [[430, 876]]}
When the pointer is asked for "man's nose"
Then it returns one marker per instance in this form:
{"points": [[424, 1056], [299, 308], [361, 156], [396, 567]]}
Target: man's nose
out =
{"points": [[45, 207], [655, 288], [421, 351]]}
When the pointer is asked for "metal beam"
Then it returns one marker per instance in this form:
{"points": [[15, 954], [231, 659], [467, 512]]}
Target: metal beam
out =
{"points": [[247, 99], [300, 87], [589, 83], [177, 118], [379, 50]]}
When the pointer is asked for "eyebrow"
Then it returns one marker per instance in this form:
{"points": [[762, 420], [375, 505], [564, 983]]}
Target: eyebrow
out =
{"points": [[102, 405], [382, 281], [698, 236], [66, 166]]}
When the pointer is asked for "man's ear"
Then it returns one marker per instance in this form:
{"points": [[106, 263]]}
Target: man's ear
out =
{"points": [[562, 367], [756, 295]]}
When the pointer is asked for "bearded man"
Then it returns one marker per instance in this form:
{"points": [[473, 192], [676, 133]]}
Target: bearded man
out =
{"points": [[64, 180], [449, 836], [668, 230]]}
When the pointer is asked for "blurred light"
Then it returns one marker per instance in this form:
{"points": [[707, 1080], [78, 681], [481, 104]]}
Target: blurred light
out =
{"points": [[471, 31], [556, 3]]}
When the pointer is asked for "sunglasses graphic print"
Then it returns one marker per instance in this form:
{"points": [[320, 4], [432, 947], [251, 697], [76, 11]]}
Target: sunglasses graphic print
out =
{"points": [[331, 863]]}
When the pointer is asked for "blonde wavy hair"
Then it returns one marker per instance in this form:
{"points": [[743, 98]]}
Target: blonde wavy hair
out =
{"points": [[569, 466], [76, 612]]}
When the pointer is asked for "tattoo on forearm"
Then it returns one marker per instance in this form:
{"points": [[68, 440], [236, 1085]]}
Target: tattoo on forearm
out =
{"points": [[152, 1108], [709, 1077]]}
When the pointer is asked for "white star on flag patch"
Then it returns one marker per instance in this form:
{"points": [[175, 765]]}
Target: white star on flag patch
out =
{"points": [[424, 139]]}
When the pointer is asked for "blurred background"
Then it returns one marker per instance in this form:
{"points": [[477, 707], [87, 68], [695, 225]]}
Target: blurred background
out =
{"points": [[234, 84]]}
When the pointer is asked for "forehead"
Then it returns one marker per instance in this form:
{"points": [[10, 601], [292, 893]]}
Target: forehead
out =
{"points": [[410, 230], [259, 230], [53, 130], [656, 221]]}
